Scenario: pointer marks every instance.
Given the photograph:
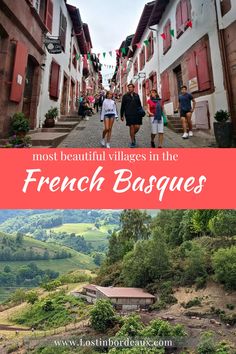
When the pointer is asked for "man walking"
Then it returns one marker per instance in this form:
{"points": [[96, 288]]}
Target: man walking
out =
{"points": [[186, 111], [130, 107]]}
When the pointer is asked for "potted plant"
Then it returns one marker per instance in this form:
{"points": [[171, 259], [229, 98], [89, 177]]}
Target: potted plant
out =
{"points": [[223, 129], [50, 117], [19, 125]]}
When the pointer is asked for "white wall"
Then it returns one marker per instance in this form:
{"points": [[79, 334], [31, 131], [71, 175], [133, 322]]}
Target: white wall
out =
{"points": [[229, 18], [151, 65], [62, 59], [204, 22]]}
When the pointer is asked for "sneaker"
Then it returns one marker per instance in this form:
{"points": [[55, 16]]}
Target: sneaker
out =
{"points": [[132, 145], [101, 120], [103, 143], [153, 144], [185, 136], [117, 119], [190, 133], [108, 146]]}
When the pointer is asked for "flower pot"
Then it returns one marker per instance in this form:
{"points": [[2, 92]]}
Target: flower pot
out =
{"points": [[223, 134], [49, 122]]}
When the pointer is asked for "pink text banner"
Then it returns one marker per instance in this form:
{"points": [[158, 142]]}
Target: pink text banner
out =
{"points": [[114, 179]]}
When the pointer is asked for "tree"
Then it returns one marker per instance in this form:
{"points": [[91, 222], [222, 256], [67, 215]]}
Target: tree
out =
{"points": [[135, 225], [224, 265], [195, 264], [224, 223], [102, 315], [19, 238], [32, 297], [169, 221]]}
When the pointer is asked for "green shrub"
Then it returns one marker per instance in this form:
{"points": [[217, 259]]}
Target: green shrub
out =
{"points": [[102, 316], [19, 123], [230, 306], [201, 283], [224, 265], [194, 302]]}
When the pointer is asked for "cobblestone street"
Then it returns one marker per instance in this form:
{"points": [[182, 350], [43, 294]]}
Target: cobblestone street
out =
{"points": [[87, 134]]}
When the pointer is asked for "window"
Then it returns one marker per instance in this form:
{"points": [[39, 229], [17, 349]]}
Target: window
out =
{"points": [[150, 47], [168, 38], [136, 67], [183, 15], [54, 80], [165, 86], [74, 59], [225, 6], [45, 10], [142, 59], [62, 30]]}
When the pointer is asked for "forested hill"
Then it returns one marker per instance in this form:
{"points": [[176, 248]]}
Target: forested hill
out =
{"points": [[26, 221]]}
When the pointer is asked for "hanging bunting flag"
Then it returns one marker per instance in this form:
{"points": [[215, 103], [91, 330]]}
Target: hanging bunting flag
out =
{"points": [[172, 32], [131, 48], [98, 55], [123, 50], [117, 52], [89, 56], [163, 35], [146, 42], [138, 45], [110, 53], [104, 54], [190, 24], [77, 56]]}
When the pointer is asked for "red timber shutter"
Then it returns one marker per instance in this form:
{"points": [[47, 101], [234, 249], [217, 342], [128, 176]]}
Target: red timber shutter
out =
{"points": [[155, 81], [168, 40], [192, 65], [203, 72], [18, 78], [165, 86], [186, 11], [62, 30], [49, 15], [179, 20], [136, 87], [54, 80], [147, 87]]}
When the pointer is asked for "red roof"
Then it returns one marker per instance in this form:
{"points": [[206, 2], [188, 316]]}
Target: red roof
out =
{"points": [[90, 287], [112, 292]]}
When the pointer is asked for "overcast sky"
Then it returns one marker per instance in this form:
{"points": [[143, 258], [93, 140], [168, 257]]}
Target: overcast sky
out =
{"points": [[110, 22]]}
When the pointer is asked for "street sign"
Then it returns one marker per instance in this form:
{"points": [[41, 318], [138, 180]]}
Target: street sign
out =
{"points": [[53, 45]]}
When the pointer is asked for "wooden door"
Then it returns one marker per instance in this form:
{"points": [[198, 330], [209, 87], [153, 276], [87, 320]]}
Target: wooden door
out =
{"points": [[230, 46], [64, 96]]}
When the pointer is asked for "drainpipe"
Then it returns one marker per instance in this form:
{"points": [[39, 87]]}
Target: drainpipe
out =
{"points": [[224, 62], [158, 55]]}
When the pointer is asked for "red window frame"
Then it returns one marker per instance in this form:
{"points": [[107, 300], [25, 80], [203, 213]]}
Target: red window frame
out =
{"points": [[167, 42]]}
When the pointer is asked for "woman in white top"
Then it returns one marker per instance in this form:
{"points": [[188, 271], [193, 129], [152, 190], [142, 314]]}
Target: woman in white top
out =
{"points": [[108, 115]]}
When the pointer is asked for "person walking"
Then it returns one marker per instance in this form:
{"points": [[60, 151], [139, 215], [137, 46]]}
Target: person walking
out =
{"points": [[186, 111], [108, 115], [131, 109], [96, 104], [155, 112]]}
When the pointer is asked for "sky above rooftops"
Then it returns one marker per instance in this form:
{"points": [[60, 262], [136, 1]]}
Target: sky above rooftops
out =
{"points": [[110, 22]]}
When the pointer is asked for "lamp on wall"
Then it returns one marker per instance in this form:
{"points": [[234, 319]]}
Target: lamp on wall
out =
{"points": [[142, 75]]}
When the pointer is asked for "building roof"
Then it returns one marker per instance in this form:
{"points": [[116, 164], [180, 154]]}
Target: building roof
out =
{"points": [[112, 292], [81, 30], [142, 25], [90, 287], [158, 11]]}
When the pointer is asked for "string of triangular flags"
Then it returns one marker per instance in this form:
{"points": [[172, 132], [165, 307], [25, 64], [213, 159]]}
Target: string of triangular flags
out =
{"points": [[124, 51]]}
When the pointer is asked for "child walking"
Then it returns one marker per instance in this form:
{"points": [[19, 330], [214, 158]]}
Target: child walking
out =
{"points": [[108, 115]]}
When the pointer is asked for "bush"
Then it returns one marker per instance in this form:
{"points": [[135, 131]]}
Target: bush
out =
{"points": [[191, 303], [230, 306], [222, 116], [102, 316], [201, 283], [224, 265], [19, 123]]}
